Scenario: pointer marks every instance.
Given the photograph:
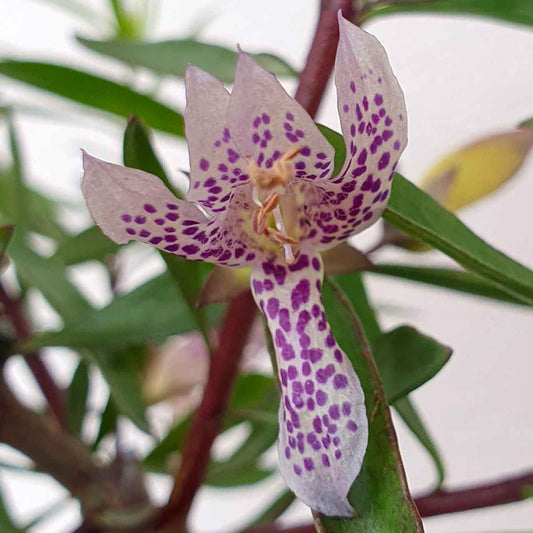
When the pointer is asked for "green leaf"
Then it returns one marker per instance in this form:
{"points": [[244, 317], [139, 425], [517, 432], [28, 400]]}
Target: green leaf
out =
{"points": [[108, 422], [406, 359], [379, 494], [94, 91], [122, 369], [41, 211], [89, 245], [6, 232], [456, 280], [241, 475], [6, 522], [172, 57], [355, 291], [138, 152], [150, 312], [274, 510], [77, 394], [519, 11], [410, 416], [48, 275], [417, 214], [253, 391]]}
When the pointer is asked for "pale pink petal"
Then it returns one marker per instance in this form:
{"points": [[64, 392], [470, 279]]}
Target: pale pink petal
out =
{"points": [[265, 122], [130, 204], [323, 424], [216, 167], [374, 125]]}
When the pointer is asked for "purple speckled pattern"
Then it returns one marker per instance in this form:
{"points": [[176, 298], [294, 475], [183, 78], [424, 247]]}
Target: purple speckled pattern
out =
{"points": [[373, 118], [266, 122], [216, 166], [131, 204], [323, 425], [262, 174]]}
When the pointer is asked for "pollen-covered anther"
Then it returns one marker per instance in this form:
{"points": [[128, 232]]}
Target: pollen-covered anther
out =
{"points": [[279, 238]]}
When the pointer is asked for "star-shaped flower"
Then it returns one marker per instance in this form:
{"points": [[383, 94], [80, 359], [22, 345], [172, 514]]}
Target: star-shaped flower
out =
{"points": [[261, 172]]}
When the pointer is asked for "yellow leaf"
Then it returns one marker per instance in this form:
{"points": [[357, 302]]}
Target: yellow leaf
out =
{"points": [[477, 169]]}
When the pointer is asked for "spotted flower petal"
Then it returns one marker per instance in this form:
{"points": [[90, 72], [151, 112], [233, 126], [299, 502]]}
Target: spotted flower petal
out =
{"points": [[130, 204], [216, 167], [266, 123], [323, 425], [373, 119]]}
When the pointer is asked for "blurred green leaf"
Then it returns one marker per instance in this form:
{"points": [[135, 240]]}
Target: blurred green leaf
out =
{"points": [[456, 280], [91, 244], [261, 438], [138, 152], [6, 522], [122, 369], [108, 422], [41, 211], [414, 212], [94, 91], [150, 312], [77, 394], [239, 475], [519, 11], [274, 510], [354, 289], [410, 416], [49, 276], [406, 359], [172, 57], [6, 232], [379, 494], [253, 391]]}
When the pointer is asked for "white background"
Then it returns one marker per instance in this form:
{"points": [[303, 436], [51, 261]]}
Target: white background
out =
{"points": [[463, 78]]}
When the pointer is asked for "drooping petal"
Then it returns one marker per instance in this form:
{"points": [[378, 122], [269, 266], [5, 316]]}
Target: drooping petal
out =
{"points": [[266, 123], [130, 204], [323, 425], [374, 125], [216, 167]]}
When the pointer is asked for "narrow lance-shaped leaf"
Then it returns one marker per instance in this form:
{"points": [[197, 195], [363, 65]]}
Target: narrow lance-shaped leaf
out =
{"points": [[88, 245], [77, 394], [354, 289], [94, 91], [518, 11], [379, 495], [456, 280], [407, 411], [172, 57]]}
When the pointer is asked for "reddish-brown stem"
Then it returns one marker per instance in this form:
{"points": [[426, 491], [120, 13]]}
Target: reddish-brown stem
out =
{"points": [[509, 490], [321, 58], [54, 396], [208, 418], [206, 424], [496, 493]]}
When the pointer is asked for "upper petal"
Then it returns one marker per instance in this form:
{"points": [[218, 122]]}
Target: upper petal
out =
{"points": [[216, 167], [130, 204], [266, 122], [374, 125], [323, 425]]}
